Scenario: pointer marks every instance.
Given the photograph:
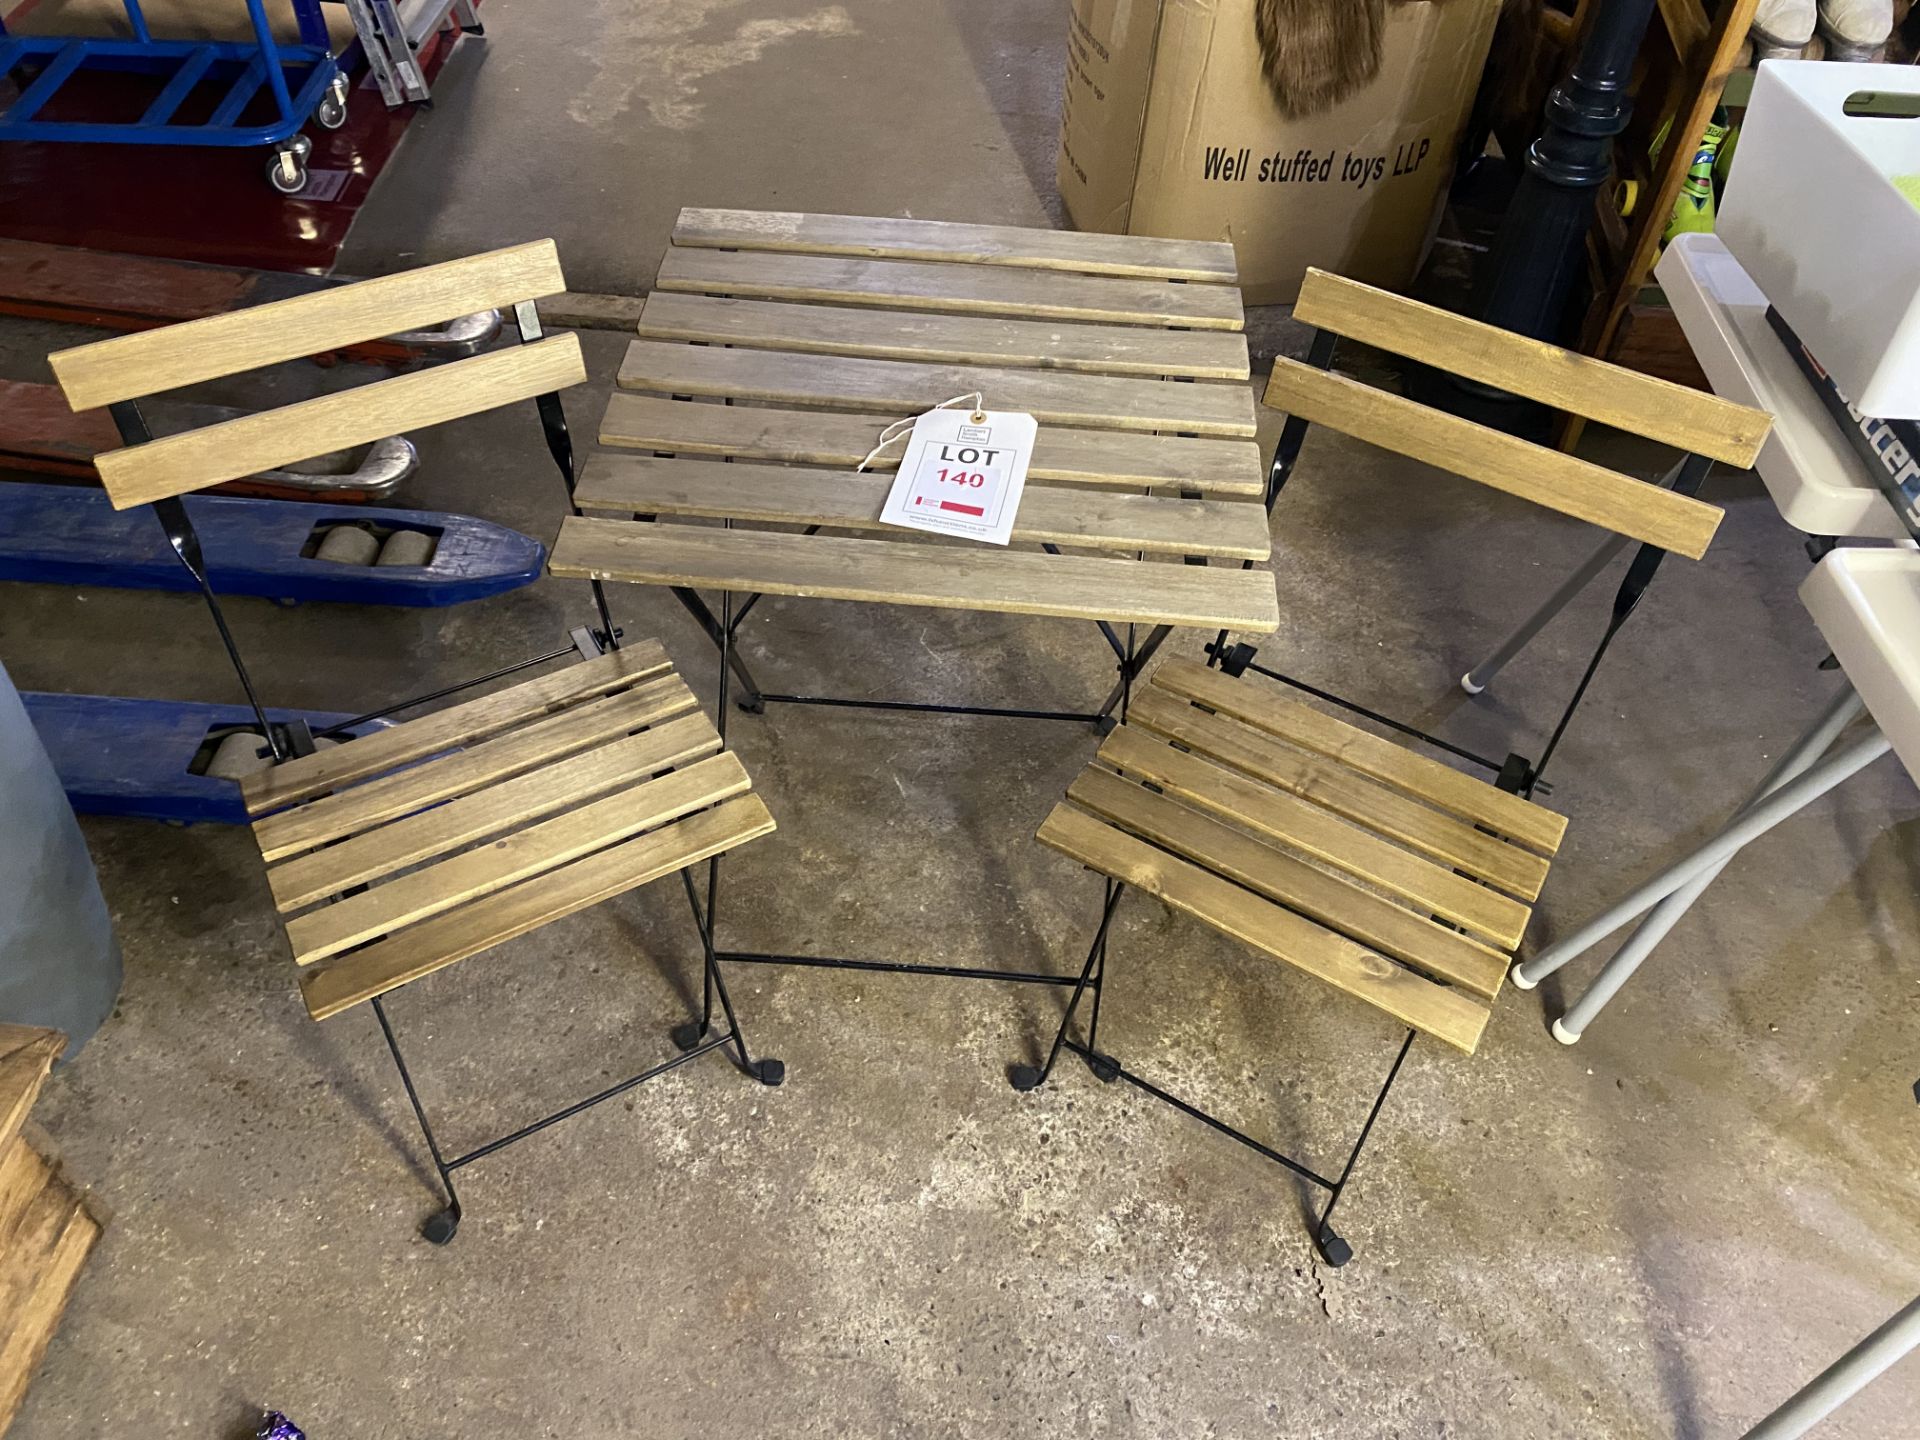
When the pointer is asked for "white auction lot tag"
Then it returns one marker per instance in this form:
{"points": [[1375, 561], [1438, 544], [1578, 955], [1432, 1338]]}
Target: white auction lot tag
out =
{"points": [[962, 474]]}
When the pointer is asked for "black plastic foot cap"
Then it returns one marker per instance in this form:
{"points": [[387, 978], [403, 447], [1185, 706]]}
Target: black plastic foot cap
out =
{"points": [[1024, 1077], [1105, 1068], [755, 706], [1105, 725], [441, 1226], [1335, 1251], [769, 1071], [686, 1036]]}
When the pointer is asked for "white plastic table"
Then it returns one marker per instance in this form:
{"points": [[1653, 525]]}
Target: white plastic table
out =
{"points": [[1817, 482], [1864, 601]]}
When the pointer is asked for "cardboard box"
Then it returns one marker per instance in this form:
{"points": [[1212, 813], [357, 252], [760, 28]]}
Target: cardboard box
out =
{"points": [[1169, 129]]}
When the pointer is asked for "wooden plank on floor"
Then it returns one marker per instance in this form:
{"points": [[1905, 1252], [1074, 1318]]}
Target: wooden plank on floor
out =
{"points": [[150, 361], [273, 439], [949, 339], [1384, 760], [27, 1053], [951, 289], [1345, 792], [881, 237], [407, 899], [957, 577], [1307, 827], [1589, 492], [1447, 1014], [1564, 379], [421, 949], [458, 772], [1331, 900], [624, 485], [440, 729], [525, 798], [39, 1264], [902, 388], [1107, 458]]}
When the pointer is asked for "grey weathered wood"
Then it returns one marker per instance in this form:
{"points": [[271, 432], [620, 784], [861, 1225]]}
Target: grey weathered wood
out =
{"points": [[903, 388], [950, 339], [1016, 245]]}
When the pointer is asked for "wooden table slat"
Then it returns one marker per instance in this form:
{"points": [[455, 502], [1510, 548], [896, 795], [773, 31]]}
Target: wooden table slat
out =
{"points": [[624, 486], [948, 339], [1209, 261], [1107, 458], [902, 388], [964, 577], [952, 289]]}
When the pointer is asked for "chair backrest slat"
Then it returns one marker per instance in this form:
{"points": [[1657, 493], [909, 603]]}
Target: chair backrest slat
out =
{"points": [[1561, 482], [1639, 404], [177, 464], [128, 367]]}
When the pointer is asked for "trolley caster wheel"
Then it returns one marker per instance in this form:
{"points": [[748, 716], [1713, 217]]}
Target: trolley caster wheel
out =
{"points": [[331, 112], [441, 1226], [769, 1072], [287, 171], [1335, 1251], [1024, 1077], [685, 1037]]}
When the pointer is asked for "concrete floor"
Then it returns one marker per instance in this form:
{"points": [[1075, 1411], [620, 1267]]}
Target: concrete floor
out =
{"points": [[1659, 1233]]}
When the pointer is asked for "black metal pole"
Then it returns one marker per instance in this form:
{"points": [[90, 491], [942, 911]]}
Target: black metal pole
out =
{"points": [[1539, 251]]}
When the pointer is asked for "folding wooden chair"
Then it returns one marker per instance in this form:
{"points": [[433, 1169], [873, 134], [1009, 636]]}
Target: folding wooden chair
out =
{"points": [[1385, 873], [397, 852]]}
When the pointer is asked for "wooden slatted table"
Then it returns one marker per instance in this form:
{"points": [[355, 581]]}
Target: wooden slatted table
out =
{"points": [[776, 349], [815, 332]]}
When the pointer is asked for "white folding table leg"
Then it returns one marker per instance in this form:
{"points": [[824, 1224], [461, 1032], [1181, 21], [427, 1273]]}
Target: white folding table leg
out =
{"points": [[1841, 712], [1844, 1379], [1793, 796]]}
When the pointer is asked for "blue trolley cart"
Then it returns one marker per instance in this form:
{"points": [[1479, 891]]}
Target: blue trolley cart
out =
{"points": [[302, 80]]}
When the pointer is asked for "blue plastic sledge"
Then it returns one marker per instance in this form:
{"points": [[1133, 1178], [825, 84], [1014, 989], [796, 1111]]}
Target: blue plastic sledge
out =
{"points": [[139, 757], [70, 535]]}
